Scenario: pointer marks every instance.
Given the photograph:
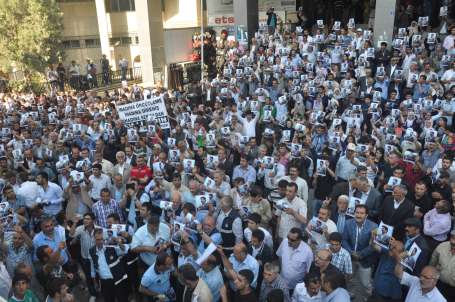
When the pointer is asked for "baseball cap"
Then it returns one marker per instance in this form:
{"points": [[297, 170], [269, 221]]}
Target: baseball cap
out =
{"points": [[413, 221], [359, 29]]}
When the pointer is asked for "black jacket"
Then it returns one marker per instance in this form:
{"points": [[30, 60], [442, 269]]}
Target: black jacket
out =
{"points": [[393, 217]]}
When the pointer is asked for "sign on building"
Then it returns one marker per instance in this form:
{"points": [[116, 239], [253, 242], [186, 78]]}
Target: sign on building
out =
{"points": [[221, 12]]}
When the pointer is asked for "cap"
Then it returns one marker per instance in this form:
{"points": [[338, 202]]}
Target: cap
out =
{"points": [[359, 29], [413, 221], [452, 233], [351, 147]]}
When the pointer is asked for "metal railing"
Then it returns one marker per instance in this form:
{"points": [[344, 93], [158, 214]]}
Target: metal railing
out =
{"points": [[102, 79]]}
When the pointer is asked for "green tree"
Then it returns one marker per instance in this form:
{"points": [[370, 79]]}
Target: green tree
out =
{"points": [[30, 34]]}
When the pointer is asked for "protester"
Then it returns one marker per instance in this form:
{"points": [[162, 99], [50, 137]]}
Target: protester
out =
{"points": [[292, 151]]}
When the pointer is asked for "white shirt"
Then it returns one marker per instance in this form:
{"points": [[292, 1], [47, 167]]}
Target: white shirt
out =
{"points": [[302, 187], [295, 263], [98, 183], [54, 196], [415, 291], [287, 222], [301, 294], [143, 237], [249, 126]]}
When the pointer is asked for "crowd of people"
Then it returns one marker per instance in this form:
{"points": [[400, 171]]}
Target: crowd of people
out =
{"points": [[84, 77], [314, 161]]}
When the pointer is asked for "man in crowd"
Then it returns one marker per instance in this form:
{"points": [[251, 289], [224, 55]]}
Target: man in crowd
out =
{"points": [[362, 124]]}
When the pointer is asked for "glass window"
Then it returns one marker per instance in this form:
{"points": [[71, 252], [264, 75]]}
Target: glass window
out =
{"points": [[71, 44], [92, 43], [114, 41], [126, 40], [119, 5]]}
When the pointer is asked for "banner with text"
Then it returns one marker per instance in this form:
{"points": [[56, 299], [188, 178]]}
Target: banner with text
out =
{"points": [[152, 109]]}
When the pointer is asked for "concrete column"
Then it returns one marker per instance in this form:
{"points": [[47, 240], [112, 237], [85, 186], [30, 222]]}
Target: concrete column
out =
{"points": [[104, 29], [384, 21], [151, 40], [246, 14]]}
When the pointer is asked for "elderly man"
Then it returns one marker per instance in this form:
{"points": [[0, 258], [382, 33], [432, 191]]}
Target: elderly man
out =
{"points": [[239, 260], [122, 167], [273, 280], [423, 288], [396, 208], [229, 224], [370, 197], [207, 233], [443, 259], [339, 216], [295, 258]]}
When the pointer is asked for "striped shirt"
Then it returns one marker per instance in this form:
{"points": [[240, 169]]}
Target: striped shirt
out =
{"points": [[86, 238], [342, 261], [102, 210]]}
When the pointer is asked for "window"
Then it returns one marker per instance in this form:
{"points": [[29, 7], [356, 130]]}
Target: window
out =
{"points": [[71, 44], [89, 43], [114, 41], [119, 5], [136, 39], [126, 40], [117, 41]]}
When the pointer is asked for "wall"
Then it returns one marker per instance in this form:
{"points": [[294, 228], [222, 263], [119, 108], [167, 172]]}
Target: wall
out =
{"points": [[79, 19], [178, 44], [122, 23], [181, 14], [80, 55]]}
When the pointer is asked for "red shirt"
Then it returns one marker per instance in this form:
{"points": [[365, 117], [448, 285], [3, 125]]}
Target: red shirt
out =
{"points": [[140, 172]]}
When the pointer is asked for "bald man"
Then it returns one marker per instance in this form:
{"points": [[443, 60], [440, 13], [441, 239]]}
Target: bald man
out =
{"points": [[207, 233], [239, 260], [421, 288]]}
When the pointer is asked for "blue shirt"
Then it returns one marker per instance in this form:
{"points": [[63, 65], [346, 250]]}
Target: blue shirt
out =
{"points": [[248, 263], [248, 174], [338, 295], [214, 281], [41, 239], [385, 282], [216, 238], [155, 281]]}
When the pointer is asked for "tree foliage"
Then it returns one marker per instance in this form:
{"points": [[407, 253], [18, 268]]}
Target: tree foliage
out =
{"points": [[30, 32]]}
